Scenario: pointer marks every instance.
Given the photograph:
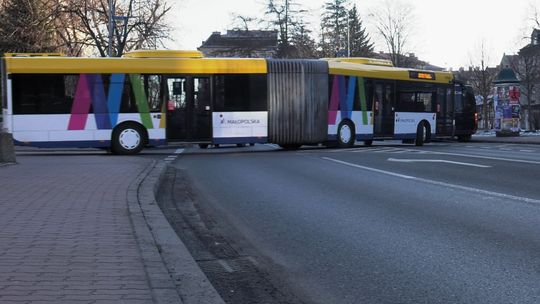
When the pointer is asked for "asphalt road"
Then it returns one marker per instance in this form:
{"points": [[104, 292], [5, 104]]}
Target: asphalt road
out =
{"points": [[391, 223]]}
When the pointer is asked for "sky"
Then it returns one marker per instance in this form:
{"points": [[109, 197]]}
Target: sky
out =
{"points": [[444, 33]]}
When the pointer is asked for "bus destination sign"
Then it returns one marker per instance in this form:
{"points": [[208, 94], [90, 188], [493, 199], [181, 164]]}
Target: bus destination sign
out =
{"points": [[422, 75]]}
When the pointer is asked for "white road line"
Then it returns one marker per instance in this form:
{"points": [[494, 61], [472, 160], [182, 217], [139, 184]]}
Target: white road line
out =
{"points": [[225, 266], [485, 157], [359, 150], [273, 146], [369, 169], [389, 150], [179, 151], [443, 184], [526, 150], [436, 161]]}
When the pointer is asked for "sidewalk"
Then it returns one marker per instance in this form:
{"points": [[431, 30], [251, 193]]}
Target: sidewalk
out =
{"points": [[66, 233], [524, 138]]}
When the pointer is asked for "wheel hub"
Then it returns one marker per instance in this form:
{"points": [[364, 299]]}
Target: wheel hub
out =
{"points": [[129, 139], [345, 134]]}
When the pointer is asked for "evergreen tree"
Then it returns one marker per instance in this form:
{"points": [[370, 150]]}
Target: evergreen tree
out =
{"points": [[360, 43], [334, 29], [304, 45]]}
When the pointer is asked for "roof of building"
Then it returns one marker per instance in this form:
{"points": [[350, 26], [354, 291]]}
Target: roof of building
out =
{"points": [[506, 75], [242, 39]]}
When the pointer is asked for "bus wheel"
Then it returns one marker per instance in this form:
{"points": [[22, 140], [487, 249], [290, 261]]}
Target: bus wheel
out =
{"points": [[203, 146], [422, 134], [346, 135], [464, 138], [290, 146], [128, 138], [368, 142]]}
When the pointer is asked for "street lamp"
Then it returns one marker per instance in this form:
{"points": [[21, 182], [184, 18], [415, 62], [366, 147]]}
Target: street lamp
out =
{"points": [[111, 25]]}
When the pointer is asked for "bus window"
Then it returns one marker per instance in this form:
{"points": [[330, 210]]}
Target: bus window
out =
{"points": [[458, 100], [201, 92], [449, 103], [369, 95], [406, 102], [469, 102], [240, 93], [40, 94], [154, 95], [424, 101], [177, 92]]}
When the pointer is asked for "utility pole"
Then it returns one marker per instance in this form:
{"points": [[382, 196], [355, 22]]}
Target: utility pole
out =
{"points": [[111, 26], [348, 35]]}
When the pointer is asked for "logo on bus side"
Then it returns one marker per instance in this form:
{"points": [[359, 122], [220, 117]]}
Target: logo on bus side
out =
{"points": [[224, 121]]}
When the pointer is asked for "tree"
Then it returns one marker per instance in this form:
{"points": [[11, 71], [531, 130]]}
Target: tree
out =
{"points": [[527, 67], [304, 45], [27, 26], [334, 29], [393, 22], [481, 79], [142, 24], [286, 16], [243, 22], [360, 44]]}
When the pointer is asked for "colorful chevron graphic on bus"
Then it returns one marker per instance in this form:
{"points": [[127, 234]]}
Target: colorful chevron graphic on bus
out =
{"points": [[90, 93], [342, 98]]}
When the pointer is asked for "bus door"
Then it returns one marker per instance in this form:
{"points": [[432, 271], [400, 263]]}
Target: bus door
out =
{"points": [[465, 110], [384, 109], [189, 116], [445, 111]]}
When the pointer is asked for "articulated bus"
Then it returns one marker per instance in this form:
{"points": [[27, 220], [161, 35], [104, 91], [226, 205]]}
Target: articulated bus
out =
{"points": [[150, 98]]}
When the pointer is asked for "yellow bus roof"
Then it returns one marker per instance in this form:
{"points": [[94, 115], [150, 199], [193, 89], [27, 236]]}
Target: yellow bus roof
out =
{"points": [[385, 72], [72, 65]]}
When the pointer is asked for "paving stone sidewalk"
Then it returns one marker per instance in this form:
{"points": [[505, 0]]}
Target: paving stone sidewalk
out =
{"points": [[523, 139], [65, 231]]}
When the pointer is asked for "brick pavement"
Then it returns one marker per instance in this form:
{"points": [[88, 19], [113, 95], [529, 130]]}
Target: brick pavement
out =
{"points": [[65, 231], [523, 139]]}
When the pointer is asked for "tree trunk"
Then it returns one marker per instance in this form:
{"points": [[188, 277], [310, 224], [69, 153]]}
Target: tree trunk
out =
{"points": [[485, 114]]}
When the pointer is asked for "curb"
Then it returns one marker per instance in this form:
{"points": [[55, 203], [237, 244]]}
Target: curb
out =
{"points": [[173, 274], [495, 141]]}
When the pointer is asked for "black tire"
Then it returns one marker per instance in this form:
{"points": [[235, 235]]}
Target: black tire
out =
{"points": [[128, 139], [251, 144], [203, 146], [346, 135], [368, 142], [290, 146], [240, 145], [464, 138], [422, 134]]}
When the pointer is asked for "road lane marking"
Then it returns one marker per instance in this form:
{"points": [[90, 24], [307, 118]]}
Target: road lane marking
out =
{"points": [[225, 266], [369, 169], [436, 161], [485, 157], [179, 151], [526, 150], [438, 183]]}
